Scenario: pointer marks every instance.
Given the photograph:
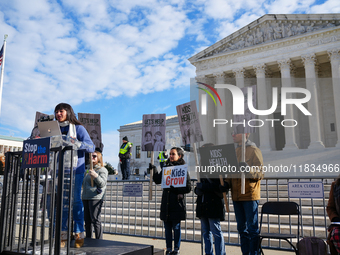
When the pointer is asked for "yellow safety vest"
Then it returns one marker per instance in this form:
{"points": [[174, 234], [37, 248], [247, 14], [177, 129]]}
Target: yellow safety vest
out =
{"points": [[161, 158], [125, 148]]}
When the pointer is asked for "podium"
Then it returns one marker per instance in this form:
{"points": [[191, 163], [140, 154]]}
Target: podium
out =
{"points": [[24, 227]]}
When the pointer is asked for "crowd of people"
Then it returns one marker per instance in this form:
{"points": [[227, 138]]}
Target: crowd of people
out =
{"points": [[90, 186], [210, 208]]}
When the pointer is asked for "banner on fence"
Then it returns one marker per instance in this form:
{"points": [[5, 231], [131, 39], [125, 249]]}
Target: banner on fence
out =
{"points": [[175, 176], [36, 153], [305, 190], [133, 190]]}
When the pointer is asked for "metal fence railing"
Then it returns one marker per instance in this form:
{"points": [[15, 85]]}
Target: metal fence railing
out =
{"points": [[25, 226], [137, 216]]}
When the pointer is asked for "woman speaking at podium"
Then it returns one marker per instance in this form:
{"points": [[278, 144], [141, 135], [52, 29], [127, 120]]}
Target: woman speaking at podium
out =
{"points": [[70, 126]]}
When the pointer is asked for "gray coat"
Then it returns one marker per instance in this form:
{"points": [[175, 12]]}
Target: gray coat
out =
{"points": [[91, 193]]}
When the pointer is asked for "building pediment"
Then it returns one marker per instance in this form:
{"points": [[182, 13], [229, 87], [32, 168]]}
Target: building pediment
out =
{"points": [[267, 29]]}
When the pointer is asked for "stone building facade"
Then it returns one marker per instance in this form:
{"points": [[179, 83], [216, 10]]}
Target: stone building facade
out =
{"points": [[9, 143], [296, 50]]}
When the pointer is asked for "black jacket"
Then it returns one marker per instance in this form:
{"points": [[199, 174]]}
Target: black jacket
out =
{"points": [[172, 208], [210, 203]]}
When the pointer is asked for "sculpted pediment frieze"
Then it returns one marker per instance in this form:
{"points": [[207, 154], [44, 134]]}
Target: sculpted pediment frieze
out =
{"points": [[269, 31]]}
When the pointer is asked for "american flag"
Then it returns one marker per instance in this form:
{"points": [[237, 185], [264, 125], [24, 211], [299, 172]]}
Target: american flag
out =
{"points": [[1, 54]]}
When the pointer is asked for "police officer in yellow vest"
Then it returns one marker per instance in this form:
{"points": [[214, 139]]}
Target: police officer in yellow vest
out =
{"points": [[125, 156], [162, 158]]}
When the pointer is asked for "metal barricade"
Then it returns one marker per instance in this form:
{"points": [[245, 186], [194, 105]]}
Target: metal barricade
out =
{"points": [[137, 216], [25, 228], [24, 225]]}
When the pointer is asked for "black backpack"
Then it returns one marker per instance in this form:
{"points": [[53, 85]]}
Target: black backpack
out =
{"points": [[312, 246]]}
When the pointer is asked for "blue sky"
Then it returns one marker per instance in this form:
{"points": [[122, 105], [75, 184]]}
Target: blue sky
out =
{"points": [[121, 59]]}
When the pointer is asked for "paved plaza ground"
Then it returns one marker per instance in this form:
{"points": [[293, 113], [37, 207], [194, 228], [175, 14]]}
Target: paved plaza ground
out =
{"points": [[187, 248]]}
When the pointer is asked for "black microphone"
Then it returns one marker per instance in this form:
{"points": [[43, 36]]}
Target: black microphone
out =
{"points": [[46, 118]]}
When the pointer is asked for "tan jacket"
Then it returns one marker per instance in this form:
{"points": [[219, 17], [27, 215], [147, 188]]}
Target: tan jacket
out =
{"points": [[331, 206], [253, 178]]}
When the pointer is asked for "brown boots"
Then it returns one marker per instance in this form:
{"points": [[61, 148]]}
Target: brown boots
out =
{"points": [[63, 239], [79, 239]]}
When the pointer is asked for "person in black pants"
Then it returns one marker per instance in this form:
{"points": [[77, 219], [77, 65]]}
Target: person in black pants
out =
{"points": [[93, 196], [173, 203]]}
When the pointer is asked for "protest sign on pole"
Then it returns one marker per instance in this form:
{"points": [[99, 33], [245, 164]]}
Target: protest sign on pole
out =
{"points": [[175, 176], [190, 126], [35, 131], [217, 160], [153, 132], [224, 195], [189, 123], [243, 126], [153, 138], [92, 124]]}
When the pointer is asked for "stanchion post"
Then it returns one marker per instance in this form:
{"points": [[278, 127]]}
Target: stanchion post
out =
{"points": [[197, 162], [91, 168], [151, 177], [224, 195], [243, 159]]}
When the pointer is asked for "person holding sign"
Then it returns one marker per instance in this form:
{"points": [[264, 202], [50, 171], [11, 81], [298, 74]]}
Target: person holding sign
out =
{"points": [[93, 195], [70, 126], [172, 206], [210, 210], [246, 205]]}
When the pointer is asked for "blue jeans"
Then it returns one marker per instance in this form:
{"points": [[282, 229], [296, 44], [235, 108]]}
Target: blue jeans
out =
{"points": [[246, 213], [125, 167], [78, 208], [176, 227], [212, 227]]}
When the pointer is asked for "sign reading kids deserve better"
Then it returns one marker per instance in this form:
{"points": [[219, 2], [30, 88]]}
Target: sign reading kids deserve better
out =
{"points": [[175, 176], [36, 153]]}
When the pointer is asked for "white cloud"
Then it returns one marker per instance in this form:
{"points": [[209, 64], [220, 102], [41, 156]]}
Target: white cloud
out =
{"points": [[82, 50], [288, 6], [330, 6], [75, 52]]}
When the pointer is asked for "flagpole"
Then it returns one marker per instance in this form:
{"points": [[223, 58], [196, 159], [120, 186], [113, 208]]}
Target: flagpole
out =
{"points": [[2, 70]]}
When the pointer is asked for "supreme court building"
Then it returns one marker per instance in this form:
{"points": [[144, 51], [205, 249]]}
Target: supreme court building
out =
{"points": [[295, 50]]}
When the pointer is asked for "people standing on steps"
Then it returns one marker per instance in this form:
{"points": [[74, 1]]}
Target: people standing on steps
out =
{"points": [[162, 157], [125, 156]]}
